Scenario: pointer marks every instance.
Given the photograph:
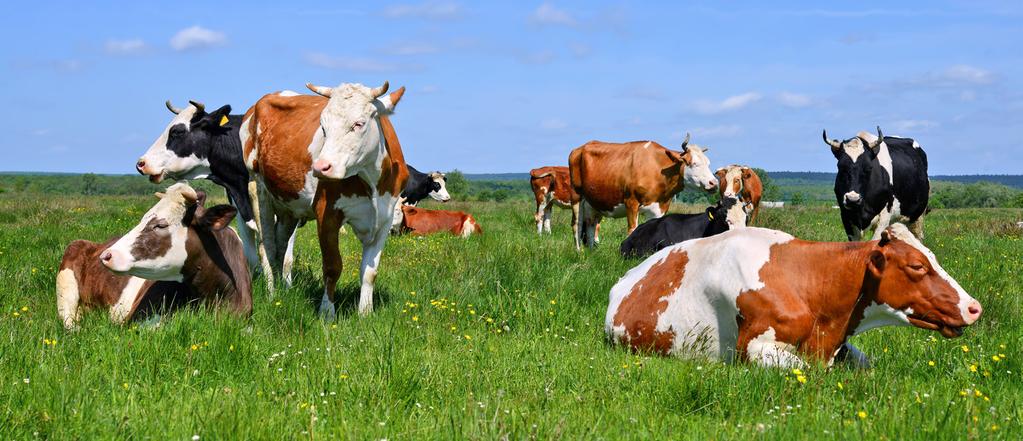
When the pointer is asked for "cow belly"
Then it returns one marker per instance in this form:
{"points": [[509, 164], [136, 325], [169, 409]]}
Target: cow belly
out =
{"points": [[301, 207], [619, 211], [367, 215]]}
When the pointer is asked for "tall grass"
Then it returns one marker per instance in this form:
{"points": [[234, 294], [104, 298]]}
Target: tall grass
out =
{"points": [[495, 336]]}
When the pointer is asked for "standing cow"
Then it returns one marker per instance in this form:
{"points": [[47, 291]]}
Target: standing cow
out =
{"points": [[617, 180], [880, 180], [763, 296], [741, 182], [552, 187]]}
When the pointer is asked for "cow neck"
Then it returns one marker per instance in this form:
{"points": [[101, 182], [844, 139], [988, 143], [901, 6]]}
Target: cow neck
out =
{"points": [[393, 171], [847, 290], [206, 270]]}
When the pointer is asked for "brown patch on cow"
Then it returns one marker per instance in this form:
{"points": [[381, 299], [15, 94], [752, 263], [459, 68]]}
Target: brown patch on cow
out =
{"points": [[151, 242], [393, 171], [557, 181], [284, 126], [421, 221], [216, 270], [747, 186], [639, 310]]}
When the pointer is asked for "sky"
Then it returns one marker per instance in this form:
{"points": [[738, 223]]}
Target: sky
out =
{"points": [[508, 86]]}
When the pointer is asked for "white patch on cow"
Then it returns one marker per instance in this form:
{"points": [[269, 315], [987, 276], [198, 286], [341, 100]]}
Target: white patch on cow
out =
{"points": [[701, 311], [68, 298], [698, 172], [736, 216], [442, 194], [733, 181], [647, 145], [171, 208], [854, 148], [353, 140], [243, 135], [880, 314], [767, 351], [289, 93], [119, 313], [884, 157], [916, 145], [468, 227], [651, 211], [900, 232]]}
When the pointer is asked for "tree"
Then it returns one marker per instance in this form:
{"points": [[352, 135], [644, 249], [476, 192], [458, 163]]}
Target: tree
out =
{"points": [[771, 190], [457, 185], [798, 198]]}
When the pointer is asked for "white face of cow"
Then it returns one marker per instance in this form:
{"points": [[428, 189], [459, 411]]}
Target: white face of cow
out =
{"points": [[155, 248], [440, 187], [730, 180], [736, 214], [180, 152], [697, 171], [352, 139]]}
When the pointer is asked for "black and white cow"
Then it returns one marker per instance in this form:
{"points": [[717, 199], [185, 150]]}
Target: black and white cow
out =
{"points": [[201, 145], [657, 233], [880, 180], [420, 185]]}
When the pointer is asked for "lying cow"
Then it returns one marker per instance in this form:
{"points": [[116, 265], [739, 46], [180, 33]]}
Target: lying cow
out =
{"points": [[181, 247], [764, 296], [743, 183], [420, 185], [420, 221], [657, 233]]}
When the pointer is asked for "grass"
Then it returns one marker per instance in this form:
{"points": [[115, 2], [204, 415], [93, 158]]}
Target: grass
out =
{"points": [[499, 336]]}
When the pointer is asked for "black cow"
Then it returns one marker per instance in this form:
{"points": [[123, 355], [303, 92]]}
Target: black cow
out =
{"points": [[661, 232], [205, 145], [880, 180], [420, 185]]}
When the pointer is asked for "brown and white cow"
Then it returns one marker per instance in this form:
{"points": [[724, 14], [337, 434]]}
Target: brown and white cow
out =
{"points": [[741, 182], [617, 180], [553, 187], [421, 222], [335, 157], [763, 296], [178, 254]]}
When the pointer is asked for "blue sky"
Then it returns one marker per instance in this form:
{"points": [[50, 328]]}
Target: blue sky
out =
{"points": [[504, 87]]}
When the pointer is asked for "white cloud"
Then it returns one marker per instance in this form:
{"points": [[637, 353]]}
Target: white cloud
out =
{"points": [[794, 99], [549, 15], [431, 10], [196, 37], [914, 125], [132, 46], [963, 73], [731, 103], [411, 48], [553, 124], [722, 131], [354, 64]]}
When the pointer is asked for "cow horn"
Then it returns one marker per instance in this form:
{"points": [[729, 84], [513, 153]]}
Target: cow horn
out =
{"points": [[380, 90], [319, 90], [685, 142], [189, 194], [835, 145], [174, 110], [880, 138], [199, 106]]}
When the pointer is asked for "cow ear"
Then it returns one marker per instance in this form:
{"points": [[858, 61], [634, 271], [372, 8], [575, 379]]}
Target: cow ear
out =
{"points": [[217, 218], [678, 157], [391, 100], [218, 119], [876, 263], [747, 173]]}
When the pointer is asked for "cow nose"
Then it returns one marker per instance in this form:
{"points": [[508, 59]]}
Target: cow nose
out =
{"points": [[322, 166], [141, 165], [973, 311], [106, 257]]}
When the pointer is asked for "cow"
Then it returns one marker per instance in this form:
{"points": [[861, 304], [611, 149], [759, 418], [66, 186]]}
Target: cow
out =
{"points": [[421, 222], [617, 180], [334, 156], [197, 144], [741, 182], [763, 296], [180, 253], [420, 185], [880, 180], [552, 187], [655, 234]]}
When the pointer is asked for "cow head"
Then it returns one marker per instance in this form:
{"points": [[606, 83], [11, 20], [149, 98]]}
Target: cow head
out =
{"points": [[911, 288], [156, 248], [862, 185], [732, 179], [695, 165], [181, 150], [352, 138], [439, 187], [731, 210]]}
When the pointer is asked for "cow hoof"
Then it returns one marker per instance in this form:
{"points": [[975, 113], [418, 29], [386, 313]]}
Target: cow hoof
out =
{"points": [[327, 311]]}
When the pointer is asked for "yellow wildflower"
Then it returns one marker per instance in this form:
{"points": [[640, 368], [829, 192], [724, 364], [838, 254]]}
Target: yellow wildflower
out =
{"points": [[862, 415]]}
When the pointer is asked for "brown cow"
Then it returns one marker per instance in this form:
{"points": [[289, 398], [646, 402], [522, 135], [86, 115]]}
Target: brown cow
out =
{"points": [[743, 183], [336, 157], [553, 187], [617, 180], [421, 221], [764, 296], [183, 249]]}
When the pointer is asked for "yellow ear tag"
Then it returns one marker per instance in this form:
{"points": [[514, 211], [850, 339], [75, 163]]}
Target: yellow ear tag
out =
{"points": [[223, 120], [710, 215]]}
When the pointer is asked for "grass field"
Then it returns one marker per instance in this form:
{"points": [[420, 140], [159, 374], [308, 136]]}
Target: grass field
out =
{"points": [[499, 336]]}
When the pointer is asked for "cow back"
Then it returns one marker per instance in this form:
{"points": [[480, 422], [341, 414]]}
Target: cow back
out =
{"points": [[606, 174], [280, 135]]}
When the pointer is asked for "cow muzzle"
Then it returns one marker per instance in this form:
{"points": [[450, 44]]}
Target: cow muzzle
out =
{"points": [[115, 261], [145, 169], [323, 169], [852, 199]]}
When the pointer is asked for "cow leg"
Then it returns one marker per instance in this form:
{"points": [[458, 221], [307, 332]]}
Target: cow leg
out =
{"points": [[575, 224], [596, 233], [68, 298], [632, 214], [587, 225], [847, 353], [547, 217], [328, 224], [264, 219], [371, 251], [287, 229], [765, 351], [852, 232]]}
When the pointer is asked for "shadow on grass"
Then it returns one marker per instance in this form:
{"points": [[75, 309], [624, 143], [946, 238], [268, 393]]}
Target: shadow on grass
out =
{"points": [[346, 297]]}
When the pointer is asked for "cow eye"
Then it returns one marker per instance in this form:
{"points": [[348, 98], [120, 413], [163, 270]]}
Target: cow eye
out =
{"points": [[919, 267], [160, 226], [357, 125]]}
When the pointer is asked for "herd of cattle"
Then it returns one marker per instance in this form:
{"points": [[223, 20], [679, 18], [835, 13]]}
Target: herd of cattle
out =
{"points": [[711, 286]]}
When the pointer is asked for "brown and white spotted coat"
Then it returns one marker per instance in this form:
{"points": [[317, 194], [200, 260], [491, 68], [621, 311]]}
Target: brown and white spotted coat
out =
{"points": [[178, 254], [553, 187], [763, 296], [743, 183], [621, 180]]}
